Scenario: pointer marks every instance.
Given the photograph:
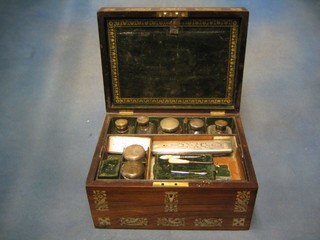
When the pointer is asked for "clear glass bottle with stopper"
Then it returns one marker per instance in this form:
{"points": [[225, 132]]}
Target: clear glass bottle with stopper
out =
{"points": [[145, 126], [122, 126], [219, 127]]}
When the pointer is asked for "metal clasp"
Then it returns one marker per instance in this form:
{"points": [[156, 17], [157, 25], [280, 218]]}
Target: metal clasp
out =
{"points": [[174, 26], [170, 184]]}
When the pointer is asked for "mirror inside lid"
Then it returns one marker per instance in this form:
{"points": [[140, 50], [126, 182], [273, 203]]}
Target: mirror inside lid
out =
{"points": [[194, 61]]}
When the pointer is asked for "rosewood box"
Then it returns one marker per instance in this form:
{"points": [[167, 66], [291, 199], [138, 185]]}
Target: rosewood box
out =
{"points": [[172, 152]]}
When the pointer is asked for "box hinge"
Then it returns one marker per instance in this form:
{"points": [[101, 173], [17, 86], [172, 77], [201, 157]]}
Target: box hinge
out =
{"points": [[218, 113], [126, 112], [170, 184]]}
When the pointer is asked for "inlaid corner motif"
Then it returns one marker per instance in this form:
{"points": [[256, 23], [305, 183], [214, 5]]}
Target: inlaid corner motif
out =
{"points": [[208, 222], [172, 222], [242, 201], [100, 200], [132, 221], [171, 202], [238, 222], [104, 221]]}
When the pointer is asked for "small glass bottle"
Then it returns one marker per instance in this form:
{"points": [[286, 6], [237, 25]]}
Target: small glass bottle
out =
{"points": [[169, 125], [220, 127], [121, 126], [196, 126], [144, 126]]}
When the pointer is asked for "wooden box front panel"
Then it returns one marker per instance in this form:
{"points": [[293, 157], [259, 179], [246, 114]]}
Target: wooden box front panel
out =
{"points": [[172, 208]]}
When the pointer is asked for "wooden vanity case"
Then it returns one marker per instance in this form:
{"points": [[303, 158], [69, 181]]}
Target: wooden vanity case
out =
{"points": [[172, 81]]}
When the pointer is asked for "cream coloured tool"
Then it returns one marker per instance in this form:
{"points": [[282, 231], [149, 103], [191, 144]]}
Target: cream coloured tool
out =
{"points": [[185, 161]]}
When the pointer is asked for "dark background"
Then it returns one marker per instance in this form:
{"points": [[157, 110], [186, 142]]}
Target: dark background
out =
{"points": [[156, 64]]}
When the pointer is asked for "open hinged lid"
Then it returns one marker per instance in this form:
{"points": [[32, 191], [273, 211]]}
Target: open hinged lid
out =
{"points": [[173, 59]]}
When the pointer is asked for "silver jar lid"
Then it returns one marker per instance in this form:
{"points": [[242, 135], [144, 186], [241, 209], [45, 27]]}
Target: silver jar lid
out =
{"points": [[196, 123], [134, 152], [169, 125], [221, 125], [143, 120], [121, 124], [132, 170]]}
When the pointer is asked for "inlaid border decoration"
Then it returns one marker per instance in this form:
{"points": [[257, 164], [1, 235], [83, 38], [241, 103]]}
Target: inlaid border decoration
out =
{"points": [[112, 36], [172, 222], [100, 200], [133, 221], [208, 222], [242, 201]]}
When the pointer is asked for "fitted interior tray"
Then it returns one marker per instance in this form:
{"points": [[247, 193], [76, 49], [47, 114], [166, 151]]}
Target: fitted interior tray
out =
{"points": [[195, 148]]}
